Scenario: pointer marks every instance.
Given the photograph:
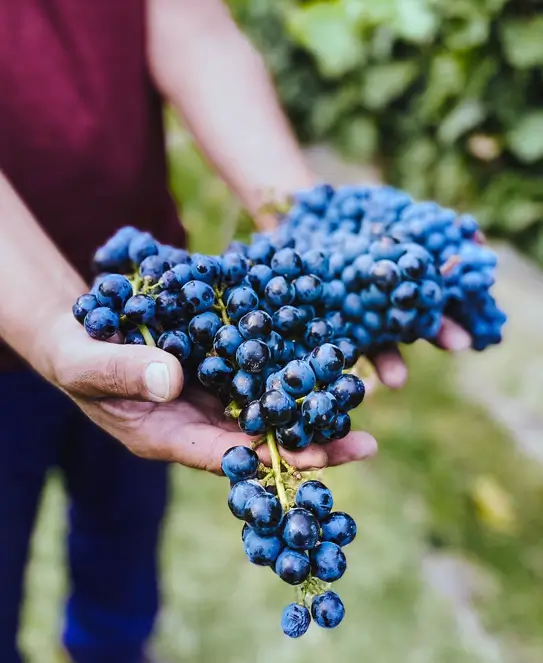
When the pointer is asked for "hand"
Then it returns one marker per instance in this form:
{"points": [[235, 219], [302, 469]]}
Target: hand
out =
{"points": [[132, 393], [391, 368]]}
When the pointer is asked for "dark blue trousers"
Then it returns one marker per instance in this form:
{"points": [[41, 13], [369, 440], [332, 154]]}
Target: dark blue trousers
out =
{"points": [[117, 502]]}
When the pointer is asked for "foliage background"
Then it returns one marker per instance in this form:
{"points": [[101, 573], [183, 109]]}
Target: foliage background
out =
{"points": [[447, 95]]}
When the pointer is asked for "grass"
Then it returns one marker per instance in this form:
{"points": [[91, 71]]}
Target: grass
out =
{"points": [[447, 480]]}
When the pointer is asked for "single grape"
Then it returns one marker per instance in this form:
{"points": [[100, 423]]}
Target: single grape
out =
{"points": [[234, 267], [101, 323], [239, 463], [168, 308], [196, 297], [295, 620], [177, 343], [205, 268], [152, 268], [176, 277], [264, 513], [203, 328], [278, 408], [308, 289], [140, 309], [114, 291], [227, 340], [292, 566], [338, 528], [318, 332], [261, 550], [319, 409], [142, 246], [287, 262], [327, 362], [246, 387], [279, 292], [328, 561], [348, 390], [295, 437], [315, 497], [298, 378], [252, 356], [328, 610], [255, 324], [300, 529], [251, 420], [242, 299], [215, 372]]}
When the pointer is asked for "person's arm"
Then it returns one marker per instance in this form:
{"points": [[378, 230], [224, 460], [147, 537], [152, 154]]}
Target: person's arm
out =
{"points": [[130, 391], [217, 81]]}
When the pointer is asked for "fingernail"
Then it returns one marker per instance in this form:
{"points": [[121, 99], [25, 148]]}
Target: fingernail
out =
{"points": [[396, 376], [157, 380]]}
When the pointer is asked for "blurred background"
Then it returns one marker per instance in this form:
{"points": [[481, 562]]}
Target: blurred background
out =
{"points": [[444, 99]]}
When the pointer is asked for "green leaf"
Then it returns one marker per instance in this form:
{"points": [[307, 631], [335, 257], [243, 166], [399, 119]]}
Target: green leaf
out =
{"points": [[447, 78], [328, 33], [415, 20], [518, 215], [386, 82], [462, 119], [331, 107], [358, 138], [523, 42], [526, 139]]}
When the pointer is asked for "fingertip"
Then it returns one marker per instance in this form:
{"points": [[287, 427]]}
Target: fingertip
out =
{"points": [[391, 371], [453, 337], [356, 446]]}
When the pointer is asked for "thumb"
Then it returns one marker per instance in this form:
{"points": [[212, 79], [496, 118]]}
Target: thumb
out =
{"points": [[101, 370]]}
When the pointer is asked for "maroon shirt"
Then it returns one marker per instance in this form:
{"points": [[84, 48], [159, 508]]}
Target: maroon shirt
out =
{"points": [[81, 136]]}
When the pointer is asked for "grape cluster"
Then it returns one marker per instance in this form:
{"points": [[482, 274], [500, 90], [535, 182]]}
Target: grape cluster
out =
{"points": [[302, 544], [350, 220], [273, 329], [250, 330]]}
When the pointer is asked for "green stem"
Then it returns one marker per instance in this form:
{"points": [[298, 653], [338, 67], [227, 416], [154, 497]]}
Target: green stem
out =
{"points": [[220, 306], [149, 340], [136, 284], [276, 465]]}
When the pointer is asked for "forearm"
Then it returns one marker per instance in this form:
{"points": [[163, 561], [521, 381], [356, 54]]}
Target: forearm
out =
{"points": [[37, 284], [216, 80]]}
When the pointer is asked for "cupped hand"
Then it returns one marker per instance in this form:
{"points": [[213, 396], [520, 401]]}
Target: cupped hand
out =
{"points": [[137, 395], [391, 368]]}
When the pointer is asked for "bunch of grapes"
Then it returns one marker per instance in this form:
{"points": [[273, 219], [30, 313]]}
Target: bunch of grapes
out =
{"points": [[352, 218], [274, 329]]}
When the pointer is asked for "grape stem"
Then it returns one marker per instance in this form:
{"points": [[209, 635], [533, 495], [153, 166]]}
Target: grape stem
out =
{"points": [[149, 340], [276, 465], [220, 306]]}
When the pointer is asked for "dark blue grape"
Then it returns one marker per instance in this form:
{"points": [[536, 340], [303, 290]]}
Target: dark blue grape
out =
{"points": [[352, 307], [264, 513], [101, 323], [348, 350], [205, 268], [255, 324], [287, 262], [278, 408], [152, 268], [234, 267], [385, 275], [227, 340], [308, 289], [295, 620], [239, 463], [140, 309], [348, 390], [258, 277], [406, 295], [328, 562], [288, 321], [83, 305], [316, 262], [252, 356], [168, 307], [241, 300], [338, 528], [246, 387], [196, 297], [176, 277], [142, 246], [315, 497], [203, 328], [251, 420], [261, 550], [240, 494], [317, 332], [114, 291], [279, 292], [215, 372], [294, 437], [298, 378], [300, 529], [292, 566], [176, 343], [327, 362], [327, 610], [319, 409]]}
